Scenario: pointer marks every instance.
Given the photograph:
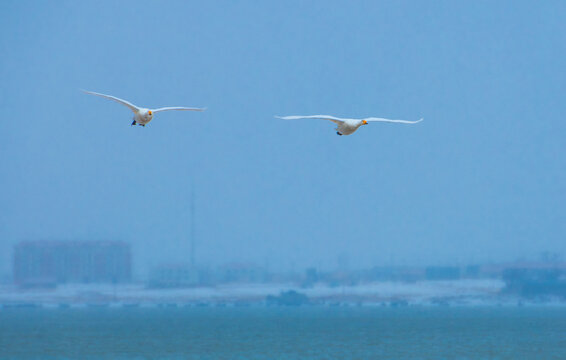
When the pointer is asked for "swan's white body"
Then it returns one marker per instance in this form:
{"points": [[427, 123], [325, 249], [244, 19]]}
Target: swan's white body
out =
{"points": [[142, 116], [346, 126]]}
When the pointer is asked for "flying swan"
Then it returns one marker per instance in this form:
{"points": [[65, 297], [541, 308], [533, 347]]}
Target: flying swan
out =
{"points": [[346, 126], [142, 116]]}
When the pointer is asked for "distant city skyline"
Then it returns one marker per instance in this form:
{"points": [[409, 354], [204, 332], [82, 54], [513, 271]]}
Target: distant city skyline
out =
{"points": [[480, 180]]}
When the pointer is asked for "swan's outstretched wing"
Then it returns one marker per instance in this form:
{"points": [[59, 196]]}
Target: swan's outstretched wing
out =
{"points": [[132, 107], [177, 108], [392, 121], [322, 117]]}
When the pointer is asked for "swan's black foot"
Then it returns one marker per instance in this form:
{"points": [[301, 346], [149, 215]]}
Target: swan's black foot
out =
{"points": [[133, 123], [338, 133], [142, 125]]}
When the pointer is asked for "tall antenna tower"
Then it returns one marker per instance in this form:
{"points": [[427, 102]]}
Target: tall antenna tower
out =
{"points": [[192, 233]]}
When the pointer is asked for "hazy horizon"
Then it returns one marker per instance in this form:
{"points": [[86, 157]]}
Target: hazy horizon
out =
{"points": [[480, 180]]}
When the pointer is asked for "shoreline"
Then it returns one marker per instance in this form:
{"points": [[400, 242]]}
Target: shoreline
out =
{"points": [[387, 294]]}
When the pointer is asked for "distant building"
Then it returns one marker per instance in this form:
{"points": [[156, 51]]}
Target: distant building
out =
{"points": [[177, 276], [311, 277], [498, 270], [341, 278], [535, 282], [394, 273], [442, 273], [535, 279], [472, 271], [242, 273], [48, 263]]}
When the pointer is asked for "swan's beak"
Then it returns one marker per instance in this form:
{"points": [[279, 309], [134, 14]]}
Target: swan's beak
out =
{"points": [[364, 122], [149, 112]]}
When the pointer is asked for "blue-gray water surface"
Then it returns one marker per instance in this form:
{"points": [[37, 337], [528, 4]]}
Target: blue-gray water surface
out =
{"points": [[284, 333]]}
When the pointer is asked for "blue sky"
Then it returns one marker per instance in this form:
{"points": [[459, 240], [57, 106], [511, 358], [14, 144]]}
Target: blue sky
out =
{"points": [[482, 179]]}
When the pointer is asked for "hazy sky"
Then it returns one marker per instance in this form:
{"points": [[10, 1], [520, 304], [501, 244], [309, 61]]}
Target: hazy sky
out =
{"points": [[483, 178]]}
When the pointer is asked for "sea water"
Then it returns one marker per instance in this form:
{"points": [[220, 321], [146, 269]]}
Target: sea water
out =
{"points": [[284, 333]]}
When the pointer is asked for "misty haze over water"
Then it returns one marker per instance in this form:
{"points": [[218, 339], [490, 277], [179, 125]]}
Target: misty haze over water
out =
{"points": [[478, 181], [230, 233]]}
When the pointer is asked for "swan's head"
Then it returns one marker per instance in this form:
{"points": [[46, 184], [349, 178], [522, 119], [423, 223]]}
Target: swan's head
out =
{"points": [[149, 115], [364, 122]]}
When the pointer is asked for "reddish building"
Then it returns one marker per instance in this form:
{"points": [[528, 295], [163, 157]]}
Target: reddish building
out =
{"points": [[58, 262]]}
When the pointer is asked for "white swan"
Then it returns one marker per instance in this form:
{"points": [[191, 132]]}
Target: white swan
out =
{"points": [[141, 115], [346, 126]]}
